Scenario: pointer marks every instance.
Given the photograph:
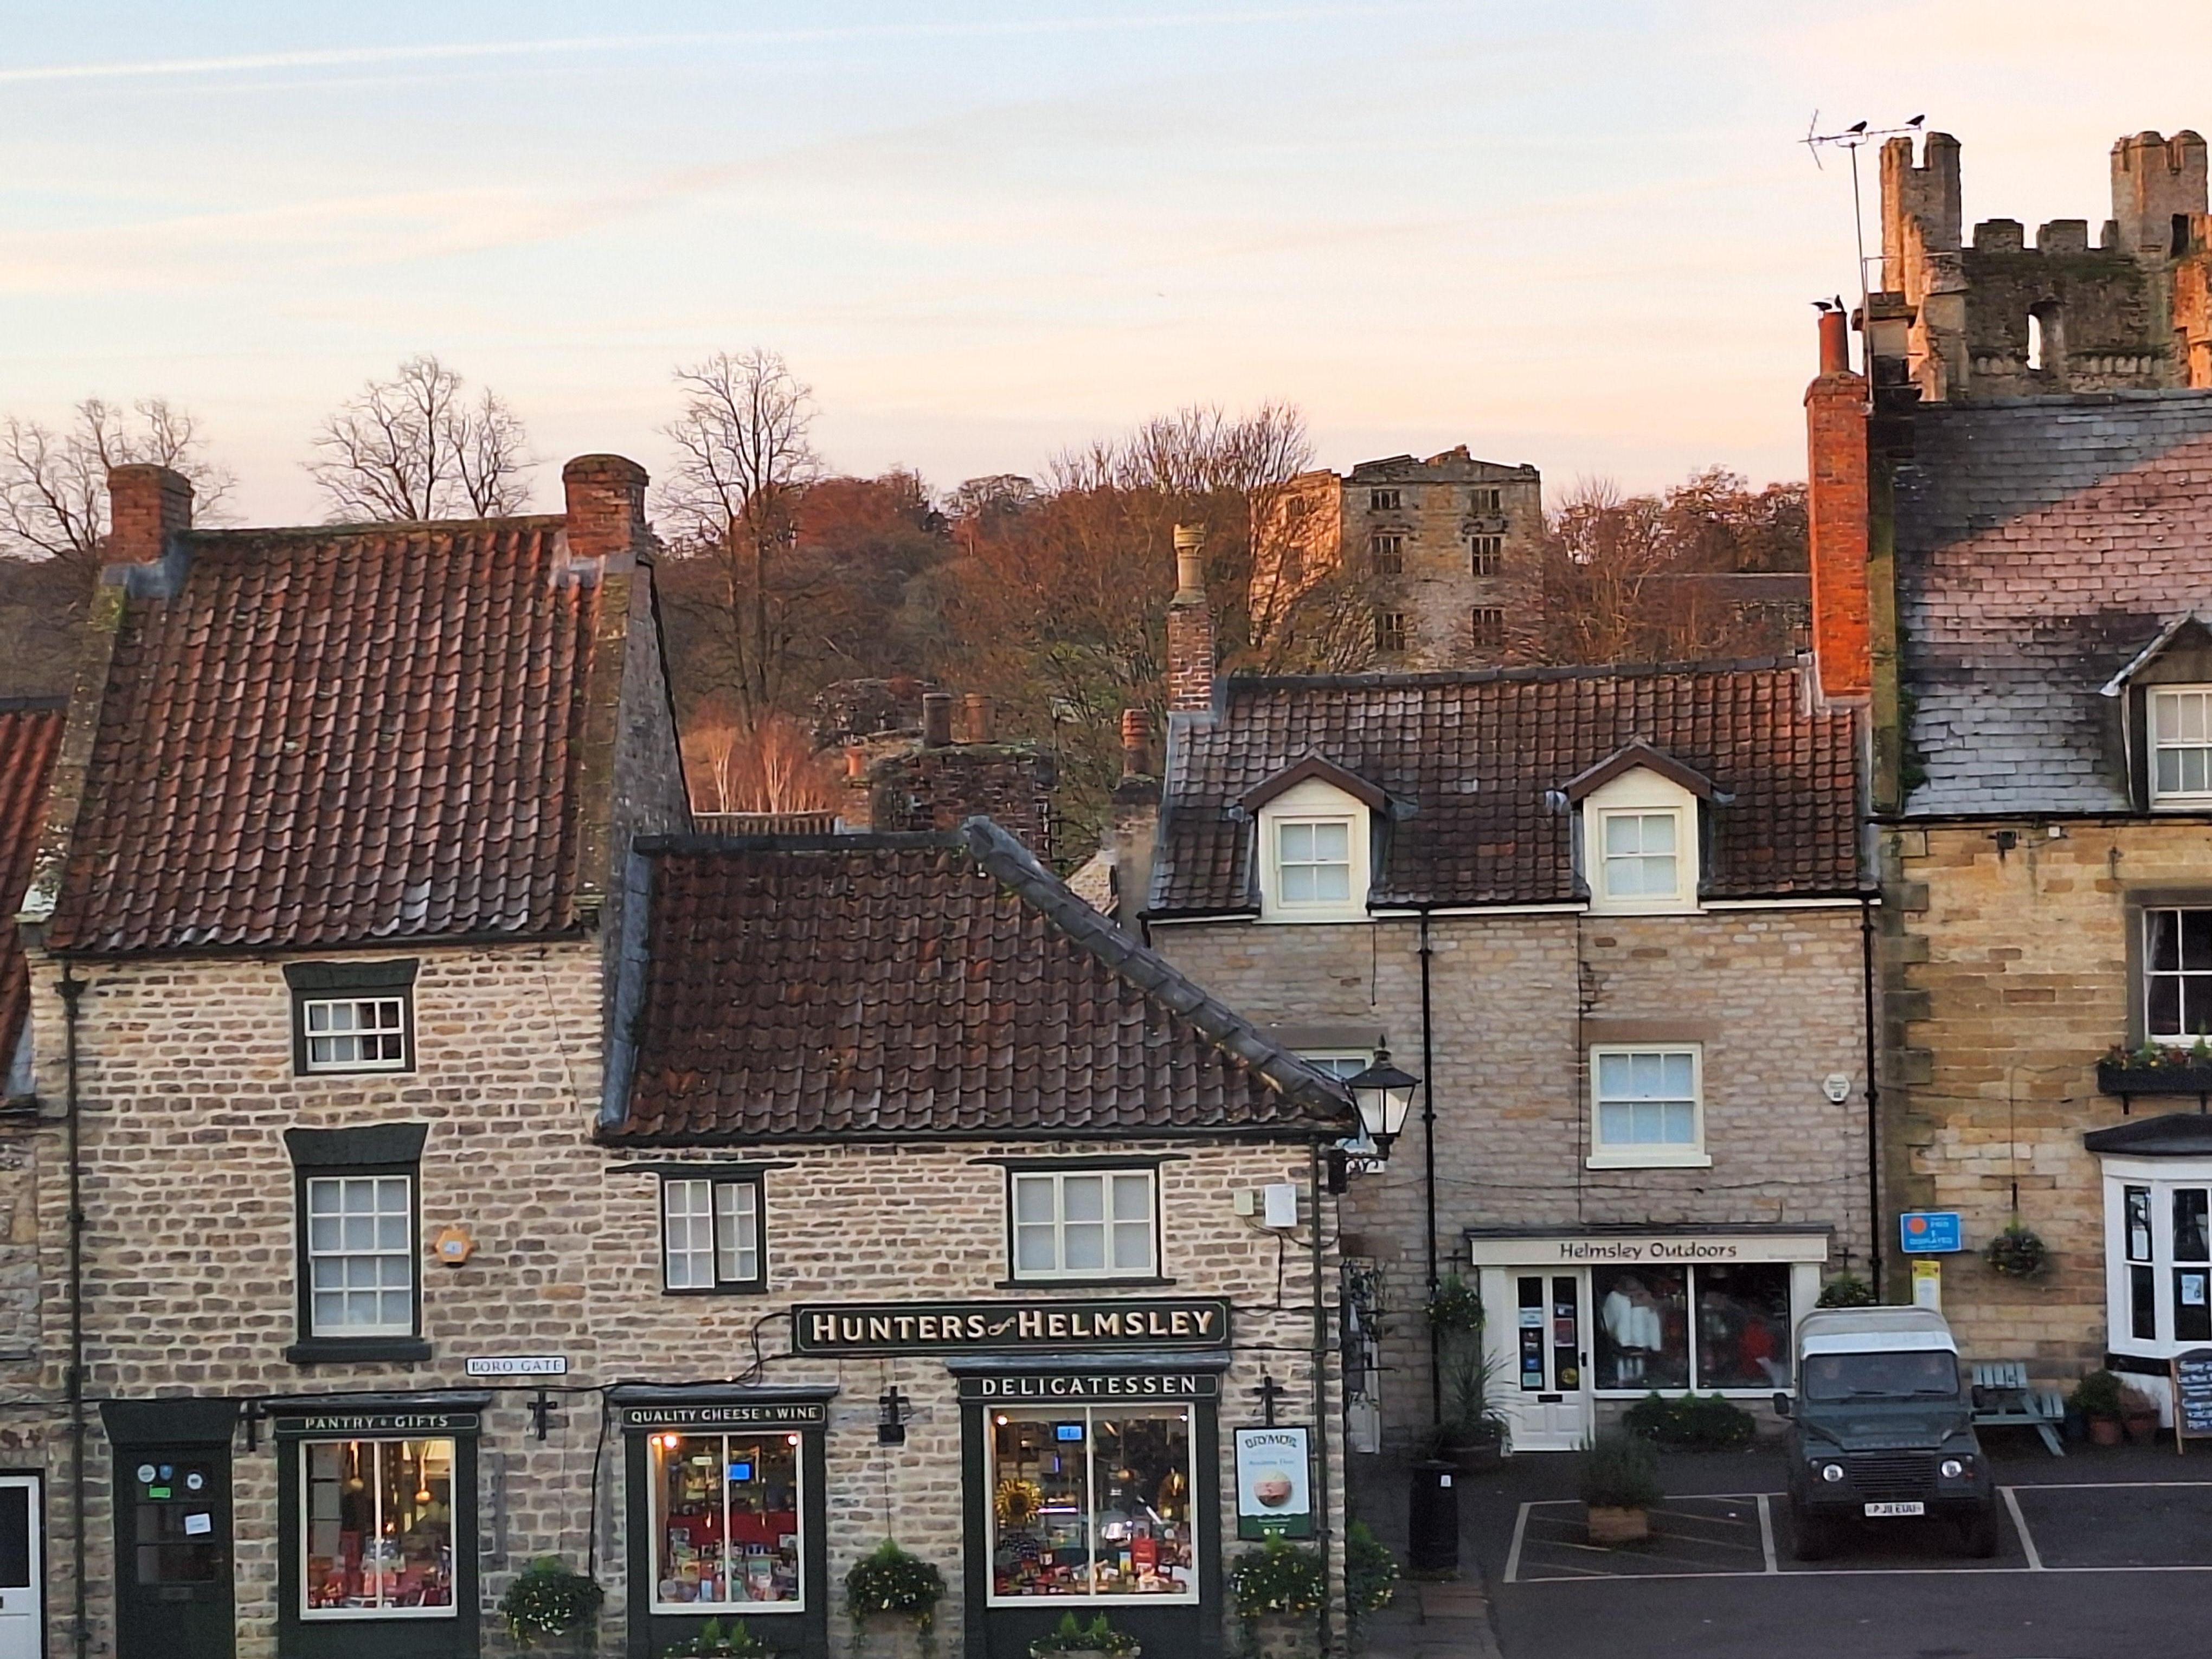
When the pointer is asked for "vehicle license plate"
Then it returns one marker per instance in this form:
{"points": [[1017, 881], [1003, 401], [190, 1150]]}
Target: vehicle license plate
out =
{"points": [[1877, 1509]]}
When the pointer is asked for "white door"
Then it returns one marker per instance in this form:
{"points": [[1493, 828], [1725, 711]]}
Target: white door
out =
{"points": [[1541, 1348], [22, 1576]]}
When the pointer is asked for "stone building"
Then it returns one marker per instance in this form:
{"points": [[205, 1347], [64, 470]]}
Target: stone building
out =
{"points": [[1616, 922], [467, 1177], [1992, 317], [1447, 551], [2011, 587]]}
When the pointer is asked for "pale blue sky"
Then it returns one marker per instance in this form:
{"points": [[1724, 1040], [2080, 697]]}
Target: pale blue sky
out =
{"points": [[1579, 232]]}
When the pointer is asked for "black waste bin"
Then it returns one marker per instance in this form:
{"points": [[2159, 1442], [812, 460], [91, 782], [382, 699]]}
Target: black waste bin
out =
{"points": [[1432, 1534]]}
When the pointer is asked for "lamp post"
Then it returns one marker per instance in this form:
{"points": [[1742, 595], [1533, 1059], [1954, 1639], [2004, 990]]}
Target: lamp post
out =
{"points": [[1384, 1096]]}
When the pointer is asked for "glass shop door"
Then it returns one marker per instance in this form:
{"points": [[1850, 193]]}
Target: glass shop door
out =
{"points": [[1541, 1350]]}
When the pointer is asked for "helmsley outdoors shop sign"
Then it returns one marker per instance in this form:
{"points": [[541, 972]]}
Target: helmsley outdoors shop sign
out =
{"points": [[1008, 1327]]}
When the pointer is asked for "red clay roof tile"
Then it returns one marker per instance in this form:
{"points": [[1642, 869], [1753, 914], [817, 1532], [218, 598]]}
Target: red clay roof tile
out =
{"points": [[30, 734]]}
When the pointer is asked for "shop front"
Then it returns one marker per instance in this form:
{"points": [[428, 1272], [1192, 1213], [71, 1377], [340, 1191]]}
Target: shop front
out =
{"points": [[2157, 1177], [1579, 1325], [725, 1496]]}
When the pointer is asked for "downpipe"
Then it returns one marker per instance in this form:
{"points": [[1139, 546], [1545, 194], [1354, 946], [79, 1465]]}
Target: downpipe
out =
{"points": [[72, 990]]}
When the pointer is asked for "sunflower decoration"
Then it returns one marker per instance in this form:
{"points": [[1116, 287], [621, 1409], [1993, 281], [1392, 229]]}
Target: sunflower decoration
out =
{"points": [[1016, 1502]]}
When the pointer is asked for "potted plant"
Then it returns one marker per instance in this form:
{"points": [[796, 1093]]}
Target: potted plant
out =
{"points": [[1281, 1584], [711, 1641], [1473, 1432], [1370, 1572], [1847, 1291], [2097, 1398], [546, 1599], [2016, 1252], [1073, 1639], [1620, 1483], [890, 1583], [2138, 1415]]}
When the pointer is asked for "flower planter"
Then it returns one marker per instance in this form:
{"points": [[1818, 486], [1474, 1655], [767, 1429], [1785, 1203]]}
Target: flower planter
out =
{"points": [[889, 1636], [1478, 1458], [2141, 1426], [1610, 1526], [1084, 1653], [2103, 1430], [2114, 1079], [1281, 1636]]}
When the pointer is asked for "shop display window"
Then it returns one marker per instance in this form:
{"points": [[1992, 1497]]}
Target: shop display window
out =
{"points": [[726, 1514], [379, 1529], [1643, 1327], [1092, 1502], [1743, 1325]]}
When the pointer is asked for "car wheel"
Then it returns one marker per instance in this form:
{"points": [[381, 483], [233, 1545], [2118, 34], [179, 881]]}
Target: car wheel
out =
{"points": [[1978, 1533], [1811, 1537]]}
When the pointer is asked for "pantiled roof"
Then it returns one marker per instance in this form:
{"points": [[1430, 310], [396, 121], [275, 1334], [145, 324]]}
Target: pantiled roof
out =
{"points": [[1473, 764], [924, 985], [337, 737], [2041, 545], [30, 733]]}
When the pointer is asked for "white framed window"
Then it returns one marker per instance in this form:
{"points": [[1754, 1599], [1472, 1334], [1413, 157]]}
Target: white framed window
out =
{"points": [[2181, 745], [1085, 1224], [1313, 844], [711, 1233], [353, 1034], [1647, 1106], [376, 1533], [1313, 861], [360, 1256], [728, 1513], [2158, 1254], [2176, 947], [1640, 845], [1343, 1064]]}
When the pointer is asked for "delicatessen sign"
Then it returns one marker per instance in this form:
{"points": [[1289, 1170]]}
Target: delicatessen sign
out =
{"points": [[1008, 1327]]}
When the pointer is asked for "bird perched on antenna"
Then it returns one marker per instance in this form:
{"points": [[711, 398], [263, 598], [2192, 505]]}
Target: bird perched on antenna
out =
{"points": [[1916, 121], [1857, 126]]}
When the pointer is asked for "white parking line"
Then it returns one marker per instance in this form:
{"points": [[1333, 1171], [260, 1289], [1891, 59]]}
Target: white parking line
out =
{"points": [[2020, 1523], [1767, 1533], [1520, 1531]]}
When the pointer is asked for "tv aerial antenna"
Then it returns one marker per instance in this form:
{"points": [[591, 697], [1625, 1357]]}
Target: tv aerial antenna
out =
{"points": [[1854, 139]]}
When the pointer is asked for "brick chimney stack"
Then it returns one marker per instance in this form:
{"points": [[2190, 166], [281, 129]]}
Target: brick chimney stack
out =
{"points": [[605, 508], [1136, 743], [936, 718], [146, 505], [1836, 515], [1190, 625]]}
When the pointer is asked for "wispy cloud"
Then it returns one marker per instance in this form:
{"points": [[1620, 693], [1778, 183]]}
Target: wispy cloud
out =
{"points": [[359, 56]]}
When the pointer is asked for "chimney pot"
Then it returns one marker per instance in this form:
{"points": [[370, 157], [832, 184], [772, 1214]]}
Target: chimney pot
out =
{"points": [[936, 718], [605, 507], [856, 761], [1835, 343], [1190, 561], [1136, 743], [146, 505], [981, 722]]}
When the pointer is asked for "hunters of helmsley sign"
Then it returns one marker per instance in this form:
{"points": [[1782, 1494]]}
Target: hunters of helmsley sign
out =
{"points": [[1008, 1327]]}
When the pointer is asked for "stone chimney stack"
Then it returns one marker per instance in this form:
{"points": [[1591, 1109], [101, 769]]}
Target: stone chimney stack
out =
{"points": [[146, 505], [605, 508], [1190, 625], [936, 720], [1836, 515], [1136, 823]]}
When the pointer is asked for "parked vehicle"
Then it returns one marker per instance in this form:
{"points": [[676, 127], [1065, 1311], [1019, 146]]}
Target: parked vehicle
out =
{"points": [[1882, 1429]]}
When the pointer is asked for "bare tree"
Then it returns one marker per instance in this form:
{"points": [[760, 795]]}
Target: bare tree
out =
{"points": [[415, 447], [53, 483], [742, 461]]}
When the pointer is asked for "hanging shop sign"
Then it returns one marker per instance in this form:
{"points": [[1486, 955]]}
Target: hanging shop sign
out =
{"points": [[1020, 1388], [736, 1414], [869, 1327], [1273, 1487]]}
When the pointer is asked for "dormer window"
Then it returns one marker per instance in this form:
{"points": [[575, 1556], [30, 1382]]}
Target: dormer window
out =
{"points": [[1640, 831], [1313, 829], [2181, 746]]}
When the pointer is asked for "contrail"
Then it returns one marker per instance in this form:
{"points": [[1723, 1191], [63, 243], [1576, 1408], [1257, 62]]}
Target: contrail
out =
{"points": [[356, 56]]}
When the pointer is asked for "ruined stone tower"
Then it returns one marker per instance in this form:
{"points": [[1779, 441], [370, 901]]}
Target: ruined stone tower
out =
{"points": [[1994, 318]]}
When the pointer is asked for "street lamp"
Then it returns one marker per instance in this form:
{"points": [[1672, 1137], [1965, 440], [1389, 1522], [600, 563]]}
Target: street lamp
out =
{"points": [[1384, 1094]]}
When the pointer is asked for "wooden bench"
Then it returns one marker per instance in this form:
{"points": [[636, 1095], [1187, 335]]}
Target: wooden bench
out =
{"points": [[2002, 1399]]}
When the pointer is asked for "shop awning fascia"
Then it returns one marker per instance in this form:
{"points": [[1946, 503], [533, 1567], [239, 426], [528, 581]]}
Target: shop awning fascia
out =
{"points": [[720, 1394]]}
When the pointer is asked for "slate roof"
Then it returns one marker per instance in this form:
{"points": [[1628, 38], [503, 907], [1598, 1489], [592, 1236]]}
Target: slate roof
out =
{"points": [[338, 736], [1473, 764], [30, 733], [2042, 544], [919, 985]]}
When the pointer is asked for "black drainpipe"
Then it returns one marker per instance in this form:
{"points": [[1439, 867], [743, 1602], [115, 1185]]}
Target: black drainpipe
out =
{"points": [[1322, 1532], [1873, 1100], [1429, 1166], [71, 988]]}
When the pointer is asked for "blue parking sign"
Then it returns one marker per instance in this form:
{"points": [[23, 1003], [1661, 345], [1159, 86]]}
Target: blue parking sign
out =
{"points": [[1929, 1232]]}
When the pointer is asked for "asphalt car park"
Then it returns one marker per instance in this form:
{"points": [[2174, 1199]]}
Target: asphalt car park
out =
{"points": [[2099, 1553]]}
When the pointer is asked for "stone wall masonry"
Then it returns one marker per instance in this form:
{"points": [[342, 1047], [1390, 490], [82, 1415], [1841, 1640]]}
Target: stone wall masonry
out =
{"points": [[1775, 996], [2008, 982], [186, 1086]]}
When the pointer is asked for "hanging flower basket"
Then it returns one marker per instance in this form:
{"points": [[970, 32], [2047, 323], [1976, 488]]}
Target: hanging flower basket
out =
{"points": [[2016, 1252]]}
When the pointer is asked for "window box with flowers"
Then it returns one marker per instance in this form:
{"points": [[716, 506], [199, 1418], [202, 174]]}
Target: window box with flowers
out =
{"points": [[2156, 1069]]}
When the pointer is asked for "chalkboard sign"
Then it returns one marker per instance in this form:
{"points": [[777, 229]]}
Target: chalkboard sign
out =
{"points": [[2192, 1396]]}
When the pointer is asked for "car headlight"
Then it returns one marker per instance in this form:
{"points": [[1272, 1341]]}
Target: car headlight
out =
{"points": [[1951, 1469], [1832, 1471]]}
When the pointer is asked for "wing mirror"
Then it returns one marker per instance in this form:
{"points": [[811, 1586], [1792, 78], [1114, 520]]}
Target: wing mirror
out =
{"points": [[1781, 1403]]}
